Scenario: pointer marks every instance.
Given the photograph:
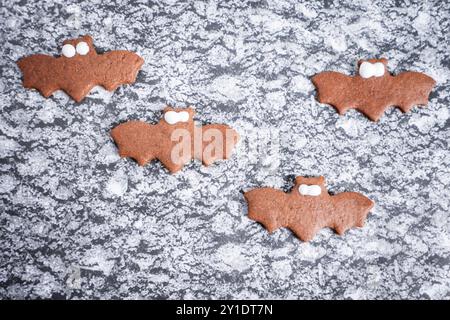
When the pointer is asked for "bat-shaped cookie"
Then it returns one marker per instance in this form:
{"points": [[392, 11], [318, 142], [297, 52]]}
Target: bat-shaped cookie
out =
{"points": [[79, 69], [307, 208], [373, 90], [174, 140]]}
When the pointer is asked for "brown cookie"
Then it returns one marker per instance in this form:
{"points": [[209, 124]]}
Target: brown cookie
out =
{"points": [[174, 140], [307, 208], [79, 69], [373, 90]]}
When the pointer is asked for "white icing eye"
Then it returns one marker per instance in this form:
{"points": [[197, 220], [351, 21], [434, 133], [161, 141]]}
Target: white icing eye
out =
{"points": [[82, 48], [173, 117], [378, 69], [367, 69], [68, 50], [312, 190]]}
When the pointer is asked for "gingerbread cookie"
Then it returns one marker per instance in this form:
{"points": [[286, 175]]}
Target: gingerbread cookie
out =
{"points": [[79, 69], [373, 90], [307, 208], [175, 140]]}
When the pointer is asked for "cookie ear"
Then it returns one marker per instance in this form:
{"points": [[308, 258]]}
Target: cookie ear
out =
{"points": [[383, 61], [359, 63], [167, 108], [191, 112], [87, 38]]}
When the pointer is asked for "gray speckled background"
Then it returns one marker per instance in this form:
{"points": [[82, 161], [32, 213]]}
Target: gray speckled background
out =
{"points": [[78, 222]]}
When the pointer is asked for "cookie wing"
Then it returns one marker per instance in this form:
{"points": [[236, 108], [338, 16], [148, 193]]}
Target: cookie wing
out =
{"points": [[333, 89], [137, 140], [266, 206], [412, 88], [115, 68], [350, 210], [217, 141], [39, 73]]}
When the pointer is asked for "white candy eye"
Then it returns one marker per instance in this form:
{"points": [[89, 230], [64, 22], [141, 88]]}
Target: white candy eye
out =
{"points": [[82, 48], [310, 190], [68, 50], [365, 69], [173, 117], [183, 116], [378, 69]]}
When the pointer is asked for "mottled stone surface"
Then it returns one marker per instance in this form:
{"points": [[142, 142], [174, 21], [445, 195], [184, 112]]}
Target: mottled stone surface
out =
{"points": [[78, 222]]}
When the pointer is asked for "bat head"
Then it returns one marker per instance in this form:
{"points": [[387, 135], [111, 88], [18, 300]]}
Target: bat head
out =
{"points": [[372, 68], [178, 117], [79, 47], [310, 187]]}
